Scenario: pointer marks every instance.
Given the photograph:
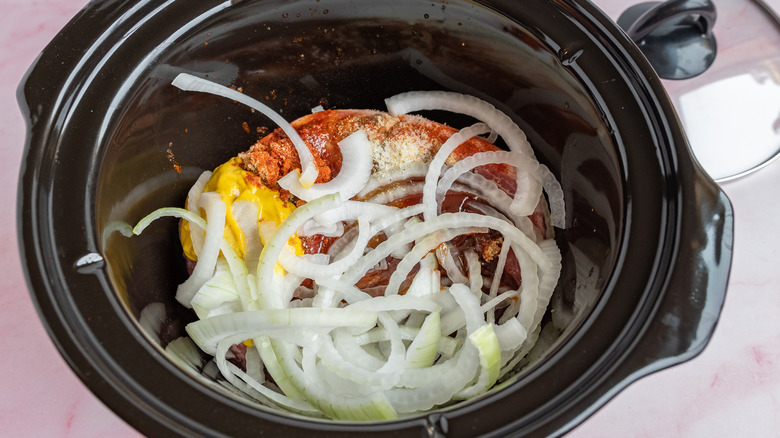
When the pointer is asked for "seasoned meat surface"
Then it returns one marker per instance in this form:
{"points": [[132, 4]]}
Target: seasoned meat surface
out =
{"points": [[396, 141]]}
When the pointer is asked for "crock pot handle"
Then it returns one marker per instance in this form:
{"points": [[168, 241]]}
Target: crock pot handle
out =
{"points": [[675, 36]]}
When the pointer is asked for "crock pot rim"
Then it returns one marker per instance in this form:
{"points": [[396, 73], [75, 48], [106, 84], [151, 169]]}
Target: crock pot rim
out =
{"points": [[53, 315]]}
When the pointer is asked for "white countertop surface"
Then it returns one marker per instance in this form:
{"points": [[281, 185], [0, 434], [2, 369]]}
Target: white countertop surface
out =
{"points": [[731, 390]]}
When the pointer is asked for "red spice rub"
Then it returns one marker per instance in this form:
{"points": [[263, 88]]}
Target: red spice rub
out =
{"points": [[398, 140]]}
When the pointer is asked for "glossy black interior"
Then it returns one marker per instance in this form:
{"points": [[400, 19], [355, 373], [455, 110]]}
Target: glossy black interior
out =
{"points": [[647, 240]]}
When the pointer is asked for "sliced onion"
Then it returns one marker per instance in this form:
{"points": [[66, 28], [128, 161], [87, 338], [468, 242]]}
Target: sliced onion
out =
{"points": [[349, 211], [246, 214], [501, 123], [218, 295], [447, 262], [253, 387], [428, 279], [497, 198], [176, 212], [268, 297], [352, 210], [390, 176], [356, 164], [366, 408], [510, 311], [426, 245], [313, 228], [353, 351], [529, 291], [554, 196], [270, 397], [434, 168], [275, 370], [510, 334], [498, 274], [396, 359], [215, 209], [300, 266], [447, 220], [334, 382], [349, 291], [185, 353], [343, 244], [549, 279], [469, 306], [290, 285], [326, 297], [188, 82], [151, 319], [425, 388], [455, 318], [392, 193], [356, 365], [239, 272], [197, 234], [487, 344], [495, 301], [208, 332], [396, 302], [528, 187], [475, 272], [446, 345], [391, 220]]}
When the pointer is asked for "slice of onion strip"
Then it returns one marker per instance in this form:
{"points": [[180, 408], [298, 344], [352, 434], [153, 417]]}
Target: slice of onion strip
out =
{"points": [[528, 187], [496, 197], [423, 388], [215, 209], [197, 234], [352, 210], [555, 197], [426, 245], [446, 220], [356, 164], [396, 174], [501, 123], [268, 297], [208, 332], [188, 82], [505, 246], [434, 168], [370, 407], [300, 266], [423, 349], [356, 365]]}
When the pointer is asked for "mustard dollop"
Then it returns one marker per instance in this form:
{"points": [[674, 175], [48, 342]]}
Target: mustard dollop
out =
{"points": [[236, 184]]}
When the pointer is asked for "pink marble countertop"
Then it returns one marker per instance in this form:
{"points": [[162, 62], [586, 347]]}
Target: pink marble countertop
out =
{"points": [[731, 389]]}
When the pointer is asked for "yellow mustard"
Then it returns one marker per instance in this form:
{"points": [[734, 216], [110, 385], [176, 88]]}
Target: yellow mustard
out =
{"points": [[234, 184]]}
